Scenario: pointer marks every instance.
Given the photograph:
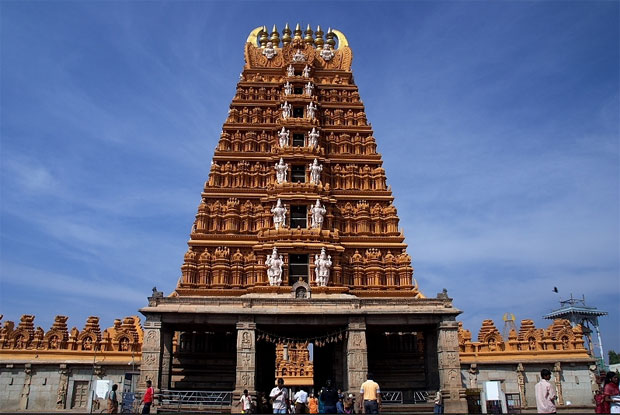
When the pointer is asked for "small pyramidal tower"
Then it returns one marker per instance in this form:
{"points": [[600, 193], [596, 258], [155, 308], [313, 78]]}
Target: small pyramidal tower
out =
{"points": [[296, 200]]}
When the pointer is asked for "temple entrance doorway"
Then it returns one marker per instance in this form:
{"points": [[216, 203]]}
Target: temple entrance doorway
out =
{"points": [[329, 364], [265, 367], [306, 362], [400, 358], [204, 358]]}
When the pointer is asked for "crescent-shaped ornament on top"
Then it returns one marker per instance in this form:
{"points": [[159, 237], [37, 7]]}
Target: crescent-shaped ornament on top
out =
{"points": [[342, 39], [253, 37]]}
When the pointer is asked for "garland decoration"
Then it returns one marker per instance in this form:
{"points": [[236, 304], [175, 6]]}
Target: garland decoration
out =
{"points": [[317, 341]]}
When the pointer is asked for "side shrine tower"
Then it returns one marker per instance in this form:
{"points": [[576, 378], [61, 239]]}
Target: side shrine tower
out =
{"points": [[296, 248]]}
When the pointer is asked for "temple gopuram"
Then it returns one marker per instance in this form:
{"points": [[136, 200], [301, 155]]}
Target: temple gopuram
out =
{"points": [[295, 268], [296, 242]]}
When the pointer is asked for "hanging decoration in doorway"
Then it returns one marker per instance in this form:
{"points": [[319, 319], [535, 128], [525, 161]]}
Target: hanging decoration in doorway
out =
{"points": [[318, 341]]}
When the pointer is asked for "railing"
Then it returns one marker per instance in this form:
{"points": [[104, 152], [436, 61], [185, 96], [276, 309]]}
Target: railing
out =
{"points": [[396, 397], [185, 399]]}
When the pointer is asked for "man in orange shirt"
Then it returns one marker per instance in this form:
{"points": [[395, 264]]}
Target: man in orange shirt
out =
{"points": [[313, 404], [371, 395]]}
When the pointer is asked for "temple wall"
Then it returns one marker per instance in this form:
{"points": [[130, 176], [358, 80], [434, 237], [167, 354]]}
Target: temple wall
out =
{"points": [[575, 381], [51, 386]]}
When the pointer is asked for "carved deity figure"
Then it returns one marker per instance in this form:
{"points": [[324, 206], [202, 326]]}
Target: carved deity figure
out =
{"points": [[315, 172], [286, 110], [311, 110], [87, 344], [299, 56], [270, 51], [123, 345], [290, 71], [313, 137], [327, 53], [283, 137], [306, 72], [323, 264], [281, 171], [318, 213], [288, 88], [274, 267], [308, 89], [279, 215]]}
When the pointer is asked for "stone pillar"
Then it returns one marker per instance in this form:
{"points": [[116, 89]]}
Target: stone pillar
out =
{"points": [[450, 368], [151, 359], [25, 395], [166, 357], [61, 393], [357, 354], [246, 359], [521, 384], [557, 376]]}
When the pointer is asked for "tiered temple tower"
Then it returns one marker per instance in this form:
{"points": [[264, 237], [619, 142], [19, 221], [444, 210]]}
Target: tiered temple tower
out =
{"points": [[297, 237]]}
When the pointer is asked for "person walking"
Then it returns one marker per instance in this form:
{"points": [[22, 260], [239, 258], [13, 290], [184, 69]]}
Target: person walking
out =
{"points": [[113, 400], [147, 399], [301, 401], [279, 398], [545, 394], [313, 404], [371, 396], [610, 391], [438, 403], [246, 402], [329, 397]]}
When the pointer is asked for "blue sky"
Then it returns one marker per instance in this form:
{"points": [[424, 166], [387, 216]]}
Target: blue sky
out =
{"points": [[498, 123]]}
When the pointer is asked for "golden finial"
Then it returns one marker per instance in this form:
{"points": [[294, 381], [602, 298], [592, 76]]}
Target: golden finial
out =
{"points": [[286, 39], [319, 38], [275, 36], [297, 32], [264, 37], [330, 38], [308, 39]]}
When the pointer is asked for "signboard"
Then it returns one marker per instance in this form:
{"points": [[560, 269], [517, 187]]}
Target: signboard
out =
{"points": [[492, 390], [102, 387]]}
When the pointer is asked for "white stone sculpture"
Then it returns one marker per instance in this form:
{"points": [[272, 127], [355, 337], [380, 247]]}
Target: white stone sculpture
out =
{"points": [[288, 88], [299, 56], [318, 213], [283, 137], [279, 215], [313, 138], [290, 70], [274, 267], [270, 51], [311, 110], [286, 110], [322, 268], [327, 53], [281, 171], [308, 89], [306, 72], [315, 172]]}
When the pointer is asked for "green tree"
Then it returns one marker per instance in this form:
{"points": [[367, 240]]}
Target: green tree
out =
{"points": [[613, 357]]}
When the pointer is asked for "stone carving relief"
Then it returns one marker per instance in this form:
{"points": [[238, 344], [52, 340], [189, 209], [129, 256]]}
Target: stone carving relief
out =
{"points": [[315, 172], [318, 213], [274, 264], [283, 138], [279, 215], [323, 264], [269, 51], [281, 171]]}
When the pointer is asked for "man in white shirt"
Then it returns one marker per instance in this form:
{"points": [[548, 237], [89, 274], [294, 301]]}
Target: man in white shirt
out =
{"points": [[279, 398], [545, 394], [301, 401]]}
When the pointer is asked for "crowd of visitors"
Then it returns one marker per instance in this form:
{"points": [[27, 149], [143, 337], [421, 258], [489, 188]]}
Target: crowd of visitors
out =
{"points": [[328, 400]]}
